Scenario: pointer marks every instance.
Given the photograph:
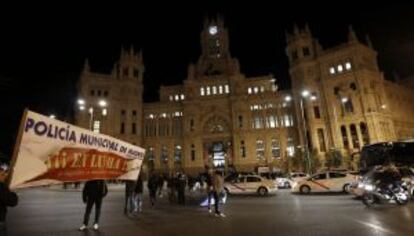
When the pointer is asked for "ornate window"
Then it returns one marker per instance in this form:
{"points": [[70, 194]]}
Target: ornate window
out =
{"points": [[260, 149]]}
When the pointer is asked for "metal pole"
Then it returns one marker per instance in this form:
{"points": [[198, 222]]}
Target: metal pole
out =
{"points": [[305, 135]]}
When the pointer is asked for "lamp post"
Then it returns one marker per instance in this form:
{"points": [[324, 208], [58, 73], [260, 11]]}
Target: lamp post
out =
{"points": [[304, 95], [82, 105]]}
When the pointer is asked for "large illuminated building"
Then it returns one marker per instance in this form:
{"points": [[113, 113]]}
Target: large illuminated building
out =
{"points": [[219, 117]]}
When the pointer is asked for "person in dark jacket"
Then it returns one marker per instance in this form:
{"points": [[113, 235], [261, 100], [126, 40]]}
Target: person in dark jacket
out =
{"points": [[3, 206], [93, 193], [138, 191], [160, 185], [129, 196], [209, 189], [182, 183], [171, 188], [152, 187]]}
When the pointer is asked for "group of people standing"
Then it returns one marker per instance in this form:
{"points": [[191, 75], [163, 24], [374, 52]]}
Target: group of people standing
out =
{"points": [[95, 190]]}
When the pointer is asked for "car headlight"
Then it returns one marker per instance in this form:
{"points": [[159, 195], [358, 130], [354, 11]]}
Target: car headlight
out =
{"points": [[361, 185], [369, 187]]}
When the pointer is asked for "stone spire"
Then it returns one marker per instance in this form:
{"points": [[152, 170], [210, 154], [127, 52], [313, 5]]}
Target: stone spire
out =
{"points": [[368, 40], [86, 67], [351, 35]]}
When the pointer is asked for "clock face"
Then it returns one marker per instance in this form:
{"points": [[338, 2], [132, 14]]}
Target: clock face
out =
{"points": [[212, 30]]}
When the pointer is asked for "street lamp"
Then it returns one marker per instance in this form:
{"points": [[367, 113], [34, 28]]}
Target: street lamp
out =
{"points": [[82, 104], [305, 94]]}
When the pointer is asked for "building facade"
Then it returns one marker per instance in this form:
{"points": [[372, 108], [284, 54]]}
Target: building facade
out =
{"points": [[220, 118]]}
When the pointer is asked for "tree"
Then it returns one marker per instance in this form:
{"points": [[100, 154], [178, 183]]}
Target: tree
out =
{"points": [[333, 158], [315, 162]]}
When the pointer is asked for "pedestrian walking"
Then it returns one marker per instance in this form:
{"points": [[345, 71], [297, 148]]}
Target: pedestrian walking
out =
{"points": [[171, 185], [93, 193], [209, 188], [152, 188], [138, 191], [218, 184], [182, 183], [129, 197], [160, 185]]}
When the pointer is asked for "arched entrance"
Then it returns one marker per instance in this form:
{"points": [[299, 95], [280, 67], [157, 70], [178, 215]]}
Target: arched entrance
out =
{"points": [[217, 143]]}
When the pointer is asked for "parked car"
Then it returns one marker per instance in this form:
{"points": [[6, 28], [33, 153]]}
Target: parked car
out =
{"points": [[327, 181], [288, 180], [250, 184]]}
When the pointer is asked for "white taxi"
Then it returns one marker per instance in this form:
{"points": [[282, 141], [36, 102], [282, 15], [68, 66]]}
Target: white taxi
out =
{"points": [[250, 184], [328, 181]]}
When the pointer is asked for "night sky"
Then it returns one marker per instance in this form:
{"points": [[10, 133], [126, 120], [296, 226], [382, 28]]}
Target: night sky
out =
{"points": [[42, 51]]}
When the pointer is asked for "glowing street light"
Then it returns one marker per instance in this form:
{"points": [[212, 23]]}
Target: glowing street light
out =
{"points": [[288, 98], [81, 102], [102, 103], [344, 99], [305, 93], [52, 116]]}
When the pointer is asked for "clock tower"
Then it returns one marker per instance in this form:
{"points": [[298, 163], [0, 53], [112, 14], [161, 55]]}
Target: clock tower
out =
{"points": [[215, 56]]}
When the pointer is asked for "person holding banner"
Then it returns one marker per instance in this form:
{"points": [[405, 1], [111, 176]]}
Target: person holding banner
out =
{"points": [[93, 193], [7, 199]]}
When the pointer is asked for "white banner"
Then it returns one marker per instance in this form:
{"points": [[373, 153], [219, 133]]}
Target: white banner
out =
{"points": [[49, 151]]}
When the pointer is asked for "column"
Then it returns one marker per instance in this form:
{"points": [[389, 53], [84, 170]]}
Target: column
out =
{"points": [[348, 135], [359, 134]]}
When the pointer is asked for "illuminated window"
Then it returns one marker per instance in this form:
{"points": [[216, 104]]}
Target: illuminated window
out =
{"points": [[332, 70], [208, 90], [287, 121], [275, 148], [177, 97], [182, 96], [171, 98], [290, 147], [202, 91], [96, 126], [249, 90], [262, 89], [271, 121], [221, 89], [340, 68], [256, 89], [348, 66], [227, 88], [260, 149], [214, 88], [177, 154]]}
